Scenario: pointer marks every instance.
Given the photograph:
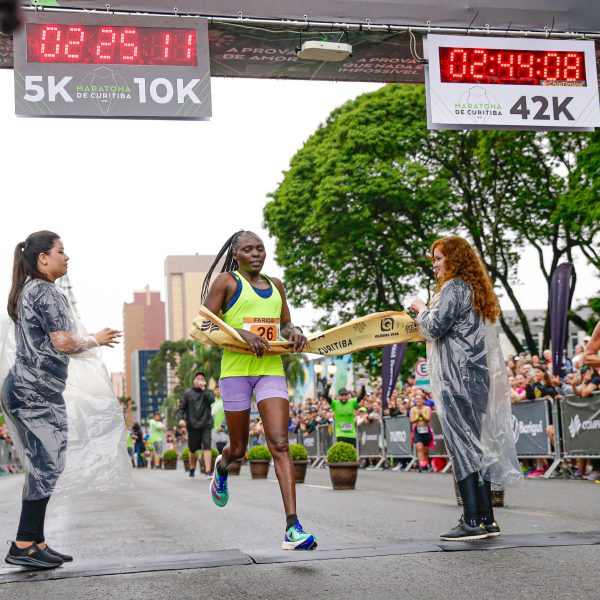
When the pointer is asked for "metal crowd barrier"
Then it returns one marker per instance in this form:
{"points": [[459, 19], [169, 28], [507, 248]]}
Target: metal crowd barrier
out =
{"points": [[397, 436], [9, 461], [576, 429], [576, 434]]}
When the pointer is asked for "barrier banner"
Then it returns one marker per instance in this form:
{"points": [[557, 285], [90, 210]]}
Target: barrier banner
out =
{"points": [[529, 421], [368, 440], [580, 419], [438, 437], [309, 441], [325, 439], [397, 436], [560, 301], [393, 357], [292, 437]]}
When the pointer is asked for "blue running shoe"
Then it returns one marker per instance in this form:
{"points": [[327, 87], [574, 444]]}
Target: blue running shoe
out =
{"points": [[218, 486], [297, 539]]}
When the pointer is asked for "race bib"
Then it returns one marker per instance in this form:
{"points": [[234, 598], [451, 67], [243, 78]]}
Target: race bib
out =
{"points": [[268, 329], [423, 429], [346, 427]]}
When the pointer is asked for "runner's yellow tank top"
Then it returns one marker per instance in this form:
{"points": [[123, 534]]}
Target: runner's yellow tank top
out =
{"points": [[260, 315]]}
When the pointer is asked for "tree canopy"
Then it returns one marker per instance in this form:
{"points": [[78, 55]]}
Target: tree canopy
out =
{"points": [[371, 189]]}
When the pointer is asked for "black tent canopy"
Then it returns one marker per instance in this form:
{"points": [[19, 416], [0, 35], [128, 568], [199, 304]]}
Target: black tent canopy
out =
{"points": [[579, 16]]}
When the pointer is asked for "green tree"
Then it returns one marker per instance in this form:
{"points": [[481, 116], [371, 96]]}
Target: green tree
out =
{"points": [[358, 209], [372, 188], [182, 359]]}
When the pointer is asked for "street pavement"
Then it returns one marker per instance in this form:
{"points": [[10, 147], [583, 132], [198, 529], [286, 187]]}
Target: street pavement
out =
{"points": [[169, 519]]}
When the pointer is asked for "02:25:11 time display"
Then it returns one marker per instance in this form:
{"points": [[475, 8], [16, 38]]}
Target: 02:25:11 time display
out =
{"points": [[516, 67], [107, 44]]}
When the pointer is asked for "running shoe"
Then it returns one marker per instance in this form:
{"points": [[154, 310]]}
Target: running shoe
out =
{"points": [[465, 532], [493, 529], [33, 557], [218, 486], [297, 539]]}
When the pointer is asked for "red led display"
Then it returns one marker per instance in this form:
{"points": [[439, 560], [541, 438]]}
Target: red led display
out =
{"points": [[517, 67], [107, 44]]}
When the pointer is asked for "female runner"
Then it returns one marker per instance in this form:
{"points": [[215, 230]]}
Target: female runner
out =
{"points": [[255, 305]]}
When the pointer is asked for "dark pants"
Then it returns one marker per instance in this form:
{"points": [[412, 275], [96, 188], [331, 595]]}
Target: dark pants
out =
{"points": [[348, 440], [31, 524]]}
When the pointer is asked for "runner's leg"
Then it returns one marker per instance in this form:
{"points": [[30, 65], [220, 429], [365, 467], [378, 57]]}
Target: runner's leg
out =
{"points": [[238, 424], [275, 414]]}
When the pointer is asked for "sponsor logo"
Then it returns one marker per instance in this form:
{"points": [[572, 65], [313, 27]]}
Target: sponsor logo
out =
{"points": [[208, 326], [360, 327], [335, 346], [309, 442], [399, 437], [411, 328], [530, 428], [576, 426], [387, 324], [369, 437]]}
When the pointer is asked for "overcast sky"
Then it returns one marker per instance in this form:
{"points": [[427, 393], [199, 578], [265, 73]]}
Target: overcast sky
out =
{"points": [[123, 194]]}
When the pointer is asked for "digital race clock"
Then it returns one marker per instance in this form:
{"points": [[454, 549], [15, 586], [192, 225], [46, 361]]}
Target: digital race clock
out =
{"points": [[511, 83], [512, 67], [108, 44], [93, 64]]}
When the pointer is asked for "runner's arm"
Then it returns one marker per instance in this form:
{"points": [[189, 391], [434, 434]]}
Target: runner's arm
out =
{"points": [[590, 356], [289, 331]]}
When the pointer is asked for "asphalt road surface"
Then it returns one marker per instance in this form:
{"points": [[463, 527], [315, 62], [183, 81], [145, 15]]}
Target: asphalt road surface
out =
{"points": [[164, 538]]}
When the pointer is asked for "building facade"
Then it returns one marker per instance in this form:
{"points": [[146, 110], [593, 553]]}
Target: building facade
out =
{"points": [[143, 329], [146, 402], [184, 276]]}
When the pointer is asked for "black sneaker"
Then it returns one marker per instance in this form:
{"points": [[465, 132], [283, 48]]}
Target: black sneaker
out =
{"points": [[33, 557], [493, 529], [65, 557], [465, 532]]}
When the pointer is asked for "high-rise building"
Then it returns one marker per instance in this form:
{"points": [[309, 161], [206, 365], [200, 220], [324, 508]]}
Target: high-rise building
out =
{"points": [[184, 276], [118, 383], [146, 402], [143, 328]]}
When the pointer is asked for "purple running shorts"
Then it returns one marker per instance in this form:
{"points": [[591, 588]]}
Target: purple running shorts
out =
{"points": [[237, 391]]}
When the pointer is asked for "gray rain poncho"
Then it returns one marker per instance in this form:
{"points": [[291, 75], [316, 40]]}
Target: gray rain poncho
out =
{"points": [[470, 387], [61, 411]]}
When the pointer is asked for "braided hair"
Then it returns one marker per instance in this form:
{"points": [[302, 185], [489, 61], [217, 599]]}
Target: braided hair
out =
{"points": [[229, 264]]}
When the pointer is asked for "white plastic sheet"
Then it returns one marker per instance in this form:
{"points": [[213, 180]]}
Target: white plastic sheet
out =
{"points": [[470, 387], [70, 435]]}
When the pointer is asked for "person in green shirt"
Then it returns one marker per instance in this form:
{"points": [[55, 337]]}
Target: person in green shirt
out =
{"points": [[344, 408], [157, 437], [219, 423]]}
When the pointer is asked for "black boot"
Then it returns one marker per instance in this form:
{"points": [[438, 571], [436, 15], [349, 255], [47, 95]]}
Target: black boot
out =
{"points": [[485, 509], [469, 526]]}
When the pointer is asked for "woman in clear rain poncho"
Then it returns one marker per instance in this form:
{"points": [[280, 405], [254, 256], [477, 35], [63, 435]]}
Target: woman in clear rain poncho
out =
{"points": [[34, 381], [469, 383]]}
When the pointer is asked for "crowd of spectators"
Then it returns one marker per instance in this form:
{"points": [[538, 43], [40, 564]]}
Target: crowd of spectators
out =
{"points": [[531, 377], [308, 415]]}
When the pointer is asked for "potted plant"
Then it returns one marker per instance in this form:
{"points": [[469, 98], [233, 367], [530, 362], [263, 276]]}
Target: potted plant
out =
{"points": [[169, 459], [234, 467], [185, 457], [259, 458], [299, 456], [342, 460]]}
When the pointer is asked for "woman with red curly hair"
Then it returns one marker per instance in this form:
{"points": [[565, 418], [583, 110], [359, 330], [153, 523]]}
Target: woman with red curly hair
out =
{"points": [[469, 383]]}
